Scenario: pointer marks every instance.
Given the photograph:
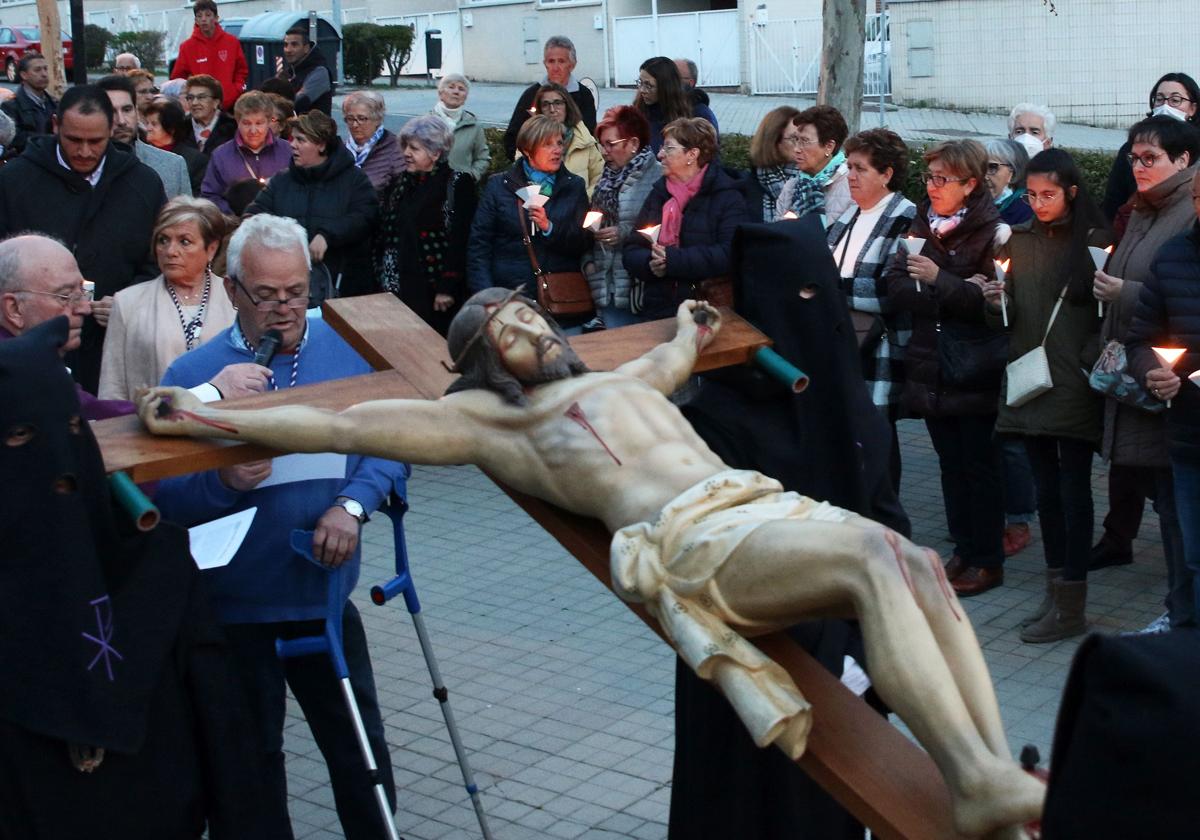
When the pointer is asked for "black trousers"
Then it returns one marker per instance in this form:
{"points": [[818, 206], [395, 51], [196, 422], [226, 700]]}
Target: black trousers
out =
{"points": [[1126, 503], [972, 488], [1062, 472], [316, 688]]}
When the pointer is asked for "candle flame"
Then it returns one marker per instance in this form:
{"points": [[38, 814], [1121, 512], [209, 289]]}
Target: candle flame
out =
{"points": [[1169, 355], [651, 233], [790, 215], [1003, 266], [1108, 250]]}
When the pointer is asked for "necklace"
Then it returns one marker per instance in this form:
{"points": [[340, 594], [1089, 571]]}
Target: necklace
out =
{"points": [[295, 362], [192, 328]]}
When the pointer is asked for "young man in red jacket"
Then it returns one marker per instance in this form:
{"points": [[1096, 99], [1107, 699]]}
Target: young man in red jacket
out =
{"points": [[213, 51]]}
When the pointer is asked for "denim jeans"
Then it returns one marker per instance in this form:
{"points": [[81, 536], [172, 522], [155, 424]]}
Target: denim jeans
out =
{"points": [[972, 491], [1020, 497], [1062, 470], [317, 690], [1187, 504]]}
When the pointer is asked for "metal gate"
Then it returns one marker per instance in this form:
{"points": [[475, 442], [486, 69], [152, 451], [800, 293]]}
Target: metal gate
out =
{"points": [[448, 22], [785, 56], [708, 38]]}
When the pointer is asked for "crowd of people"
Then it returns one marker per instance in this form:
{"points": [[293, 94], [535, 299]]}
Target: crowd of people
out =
{"points": [[204, 215]]}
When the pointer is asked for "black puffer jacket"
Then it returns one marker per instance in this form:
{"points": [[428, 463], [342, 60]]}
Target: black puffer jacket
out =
{"points": [[965, 251], [705, 248], [1168, 315], [107, 227], [337, 201]]}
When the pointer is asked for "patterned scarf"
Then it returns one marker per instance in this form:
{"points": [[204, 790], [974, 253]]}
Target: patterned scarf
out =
{"points": [[826, 175], [802, 195], [942, 225], [361, 153], [772, 180], [607, 197], [672, 212], [543, 180]]}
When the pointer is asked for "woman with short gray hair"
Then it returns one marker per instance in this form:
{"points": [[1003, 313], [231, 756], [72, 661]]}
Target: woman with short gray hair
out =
{"points": [[1006, 163], [424, 225], [375, 149], [470, 151]]}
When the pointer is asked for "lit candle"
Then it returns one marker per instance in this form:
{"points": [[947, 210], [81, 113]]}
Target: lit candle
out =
{"points": [[651, 233], [1100, 258], [914, 244], [592, 220], [1168, 356], [791, 214], [1001, 270]]}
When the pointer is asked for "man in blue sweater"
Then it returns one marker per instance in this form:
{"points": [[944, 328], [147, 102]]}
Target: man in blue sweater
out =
{"points": [[268, 591]]}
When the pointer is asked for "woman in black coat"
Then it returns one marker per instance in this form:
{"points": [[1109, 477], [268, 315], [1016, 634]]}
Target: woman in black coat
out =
{"points": [[424, 225], [497, 255], [698, 207], [954, 362], [324, 191]]}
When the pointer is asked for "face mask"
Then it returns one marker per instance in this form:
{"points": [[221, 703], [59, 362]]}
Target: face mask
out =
{"points": [[1167, 110], [1033, 145]]}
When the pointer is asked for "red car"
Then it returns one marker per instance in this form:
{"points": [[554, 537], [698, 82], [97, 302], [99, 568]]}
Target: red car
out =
{"points": [[15, 41]]}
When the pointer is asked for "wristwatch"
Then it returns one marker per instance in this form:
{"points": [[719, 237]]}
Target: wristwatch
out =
{"points": [[352, 507]]}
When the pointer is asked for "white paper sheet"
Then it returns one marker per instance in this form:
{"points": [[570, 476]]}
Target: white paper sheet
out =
{"points": [[289, 468], [214, 543]]}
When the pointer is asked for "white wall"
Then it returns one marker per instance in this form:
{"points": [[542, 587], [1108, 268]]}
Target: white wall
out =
{"points": [[1093, 62]]}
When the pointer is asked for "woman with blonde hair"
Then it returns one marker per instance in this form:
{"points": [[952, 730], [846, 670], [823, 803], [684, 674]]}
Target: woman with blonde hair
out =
{"points": [[155, 322]]}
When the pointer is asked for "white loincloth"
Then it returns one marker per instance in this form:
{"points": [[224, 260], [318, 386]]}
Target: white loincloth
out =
{"points": [[670, 564]]}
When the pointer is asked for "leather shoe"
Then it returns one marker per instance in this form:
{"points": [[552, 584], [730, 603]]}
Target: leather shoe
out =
{"points": [[1105, 554], [976, 579], [954, 567], [1016, 538]]}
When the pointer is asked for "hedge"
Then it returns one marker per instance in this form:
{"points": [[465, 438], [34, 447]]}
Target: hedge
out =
{"points": [[735, 153]]}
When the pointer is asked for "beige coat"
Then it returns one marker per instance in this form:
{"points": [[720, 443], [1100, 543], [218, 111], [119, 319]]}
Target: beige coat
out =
{"points": [[144, 335]]}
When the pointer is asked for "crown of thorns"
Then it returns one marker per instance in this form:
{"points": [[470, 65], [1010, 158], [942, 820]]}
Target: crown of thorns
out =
{"points": [[456, 364]]}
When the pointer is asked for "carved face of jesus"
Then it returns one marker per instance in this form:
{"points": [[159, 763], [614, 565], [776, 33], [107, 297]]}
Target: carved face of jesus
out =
{"points": [[527, 345]]}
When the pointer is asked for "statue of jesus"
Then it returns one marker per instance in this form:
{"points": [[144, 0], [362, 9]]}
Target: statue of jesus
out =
{"points": [[716, 554]]}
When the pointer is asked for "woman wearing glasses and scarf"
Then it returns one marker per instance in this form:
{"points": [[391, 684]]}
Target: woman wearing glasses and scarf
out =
{"points": [[954, 362], [581, 154], [773, 167], [630, 171], [376, 151], [817, 151]]}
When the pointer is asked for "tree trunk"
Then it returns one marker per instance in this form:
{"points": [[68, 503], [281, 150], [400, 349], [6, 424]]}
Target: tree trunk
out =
{"points": [[51, 32], [844, 36]]}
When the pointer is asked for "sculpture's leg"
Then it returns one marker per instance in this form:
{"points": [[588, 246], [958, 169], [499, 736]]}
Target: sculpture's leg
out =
{"points": [[790, 570]]}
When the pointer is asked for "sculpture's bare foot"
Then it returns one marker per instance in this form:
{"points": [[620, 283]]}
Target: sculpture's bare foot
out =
{"points": [[999, 803]]}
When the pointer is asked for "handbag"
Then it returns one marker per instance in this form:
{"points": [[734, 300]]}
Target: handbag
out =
{"points": [[1029, 376], [560, 293], [1110, 376], [971, 357]]}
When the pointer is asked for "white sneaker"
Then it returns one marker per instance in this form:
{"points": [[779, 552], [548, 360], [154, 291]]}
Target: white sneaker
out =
{"points": [[1162, 624]]}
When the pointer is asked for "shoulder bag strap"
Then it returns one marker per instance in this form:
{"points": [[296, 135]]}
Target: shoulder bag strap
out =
{"points": [[533, 260], [1054, 314]]}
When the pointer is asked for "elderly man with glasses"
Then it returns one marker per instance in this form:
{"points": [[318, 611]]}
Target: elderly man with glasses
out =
{"points": [[268, 591]]}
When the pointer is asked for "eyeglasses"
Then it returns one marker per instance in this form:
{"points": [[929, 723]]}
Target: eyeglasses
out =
{"points": [[670, 150], [73, 299], [268, 305], [791, 140], [1174, 100], [993, 167], [1033, 199], [612, 144], [356, 120], [1148, 160], [940, 181], [197, 97], [643, 85], [553, 104]]}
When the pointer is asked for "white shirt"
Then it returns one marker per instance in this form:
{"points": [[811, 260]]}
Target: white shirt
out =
{"points": [[846, 252]]}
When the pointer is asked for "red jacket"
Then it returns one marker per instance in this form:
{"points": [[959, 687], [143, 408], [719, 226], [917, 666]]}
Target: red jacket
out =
{"points": [[220, 56]]}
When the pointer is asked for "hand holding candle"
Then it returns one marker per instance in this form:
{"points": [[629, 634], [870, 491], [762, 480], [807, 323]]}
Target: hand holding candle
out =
{"points": [[1100, 258], [1001, 270], [1167, 357]]}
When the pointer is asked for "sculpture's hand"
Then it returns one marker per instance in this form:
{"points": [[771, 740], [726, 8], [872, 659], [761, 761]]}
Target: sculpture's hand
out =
{"points": [[174, 411], [697, 323]]}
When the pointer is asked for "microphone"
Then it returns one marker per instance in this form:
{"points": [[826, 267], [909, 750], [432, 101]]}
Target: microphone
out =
{"points": [[268, 346]]}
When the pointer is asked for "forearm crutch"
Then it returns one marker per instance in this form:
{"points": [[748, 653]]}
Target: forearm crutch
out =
{"points": [[331, 643], [402, 584]]}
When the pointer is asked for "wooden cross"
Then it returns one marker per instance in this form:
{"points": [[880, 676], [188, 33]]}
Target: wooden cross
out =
{"points": [[875, 772]]}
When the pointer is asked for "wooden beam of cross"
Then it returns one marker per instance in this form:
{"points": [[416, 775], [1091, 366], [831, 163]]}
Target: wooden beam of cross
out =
{"points": [[875, 772]]}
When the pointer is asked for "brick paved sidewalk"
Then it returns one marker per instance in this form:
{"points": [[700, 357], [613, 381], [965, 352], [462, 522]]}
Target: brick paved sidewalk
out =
{"points": [[565, 699]]}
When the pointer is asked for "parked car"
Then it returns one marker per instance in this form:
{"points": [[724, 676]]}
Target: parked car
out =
{"points": [[15, 41]]}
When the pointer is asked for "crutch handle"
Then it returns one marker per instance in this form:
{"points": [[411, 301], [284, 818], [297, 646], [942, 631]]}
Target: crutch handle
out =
{"points": [[304, 646], [399, 585]]}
